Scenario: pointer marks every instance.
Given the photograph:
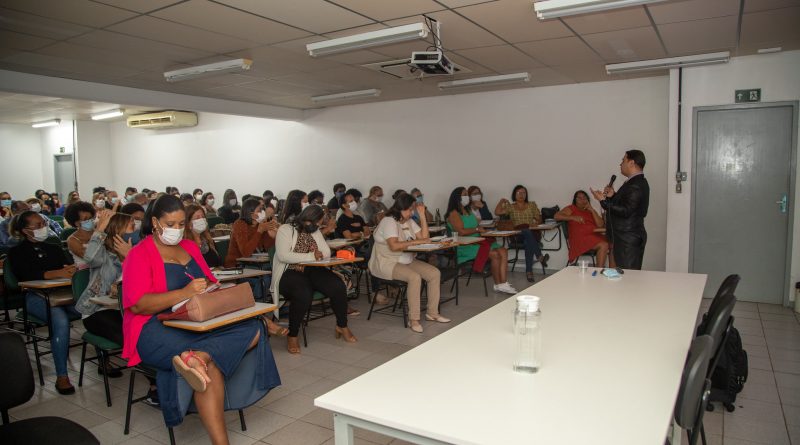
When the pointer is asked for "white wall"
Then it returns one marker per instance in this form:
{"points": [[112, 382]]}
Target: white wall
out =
{"points": [[52, 139], [554, 140], [93, 157], [778, 76], [21, 154]]}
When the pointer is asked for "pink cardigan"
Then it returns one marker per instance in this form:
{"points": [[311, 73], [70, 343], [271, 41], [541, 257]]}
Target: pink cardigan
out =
{"points": [[143, 273]]}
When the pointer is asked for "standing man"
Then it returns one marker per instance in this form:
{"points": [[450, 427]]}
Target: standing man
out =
{"points": [[625, 211]]}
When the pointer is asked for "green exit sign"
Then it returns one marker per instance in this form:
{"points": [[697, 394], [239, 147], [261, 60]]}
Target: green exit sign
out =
{"points": [[751, 95]]}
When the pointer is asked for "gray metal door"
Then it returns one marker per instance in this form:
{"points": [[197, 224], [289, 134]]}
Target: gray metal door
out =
{"points": [[65, 175], [743, 170]]}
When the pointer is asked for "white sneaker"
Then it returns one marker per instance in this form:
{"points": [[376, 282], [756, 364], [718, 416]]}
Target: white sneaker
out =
{"points": [[505, 288]]}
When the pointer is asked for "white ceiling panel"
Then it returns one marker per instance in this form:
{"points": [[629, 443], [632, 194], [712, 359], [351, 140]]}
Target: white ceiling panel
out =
{"points": [[565, 51], [142, 6], [388, 10], [629, 44], [700, 36], [608, 21], [25, 42], [317, 16], [39, 26], [501, 58], [775, 27], [177, 34], [689, 10], [81, 12], [514, 20]]}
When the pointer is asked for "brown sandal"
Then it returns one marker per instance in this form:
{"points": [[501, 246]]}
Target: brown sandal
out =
{"points": [[293, 345]]}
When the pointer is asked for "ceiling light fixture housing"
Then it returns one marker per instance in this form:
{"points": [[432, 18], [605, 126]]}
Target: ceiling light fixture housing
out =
{"points": [[550, 9], [108, 115], [483, 81], [50, 123], [670, 62], [361, 94], [386, 36], [211, 69]]}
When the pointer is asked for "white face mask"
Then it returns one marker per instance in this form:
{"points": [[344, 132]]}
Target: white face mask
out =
{"points": [[464, 200], [274, 202], [353, 206], [261, 217], [210, 201], [36, 208], [40, 234], [137, 225], [304, 205], [232, 202], [198, 197], [199, 225], [100, 203], [476, 198], [170, 236]]}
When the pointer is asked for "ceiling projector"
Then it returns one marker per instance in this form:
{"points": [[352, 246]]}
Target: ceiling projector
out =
{"points": [[431, 62]]}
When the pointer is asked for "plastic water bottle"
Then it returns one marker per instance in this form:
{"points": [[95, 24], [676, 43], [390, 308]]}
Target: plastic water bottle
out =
{"points": [[437, 220], [527, 334]]}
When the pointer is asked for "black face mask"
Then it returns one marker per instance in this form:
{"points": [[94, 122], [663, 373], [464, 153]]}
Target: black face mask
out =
{"points": [[310, 228]]}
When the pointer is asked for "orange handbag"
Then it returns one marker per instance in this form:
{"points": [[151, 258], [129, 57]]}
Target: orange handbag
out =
{"points": [[205, 306]]}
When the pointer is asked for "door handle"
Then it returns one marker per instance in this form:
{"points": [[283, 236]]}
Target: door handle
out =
{"points": [[782, 203]]}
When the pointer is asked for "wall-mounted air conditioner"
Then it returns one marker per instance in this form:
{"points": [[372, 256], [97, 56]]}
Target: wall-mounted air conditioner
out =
{"points": [[163, 120]]}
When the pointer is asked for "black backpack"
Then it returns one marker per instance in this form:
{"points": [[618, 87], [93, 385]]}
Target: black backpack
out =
{"points": [[729, 376]]}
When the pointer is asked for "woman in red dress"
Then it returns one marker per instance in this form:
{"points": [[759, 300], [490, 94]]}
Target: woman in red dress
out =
{"points": [[582, 220]]}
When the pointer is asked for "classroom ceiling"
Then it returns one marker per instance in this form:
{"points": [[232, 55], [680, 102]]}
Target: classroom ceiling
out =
{"points": [[132, 42]]}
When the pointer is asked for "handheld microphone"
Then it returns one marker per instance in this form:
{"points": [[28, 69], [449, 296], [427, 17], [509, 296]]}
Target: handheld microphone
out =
{"points": [[611, 182]]}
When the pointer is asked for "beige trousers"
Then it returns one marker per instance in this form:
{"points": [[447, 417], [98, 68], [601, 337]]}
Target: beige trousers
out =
{"points": [[413, 274]]}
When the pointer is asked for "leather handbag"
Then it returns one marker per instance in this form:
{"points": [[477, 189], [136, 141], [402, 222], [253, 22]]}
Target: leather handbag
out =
{"points": [[205, 306], [505, 224]]}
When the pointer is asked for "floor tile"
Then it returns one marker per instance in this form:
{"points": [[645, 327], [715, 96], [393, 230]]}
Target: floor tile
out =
{"points": [[772, 309], [759, 432], [110, 433], [261, 423], [792, 415], [760, 392], [786, 380], [788, 366], [299, 433], [756, 411], [789, 396], [294, 405]]}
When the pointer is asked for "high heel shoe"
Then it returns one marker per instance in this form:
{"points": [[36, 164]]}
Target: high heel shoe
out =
{"points": [[293, 345], [437, 318], [345, 332]]}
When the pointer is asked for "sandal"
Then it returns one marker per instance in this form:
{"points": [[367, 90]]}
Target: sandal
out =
{"points": [[529, 275], [293, 345], [191, 375], [276, 329], [353, 311]]}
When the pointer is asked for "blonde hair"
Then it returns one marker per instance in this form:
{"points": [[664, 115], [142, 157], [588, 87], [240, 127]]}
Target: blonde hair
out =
{"points": [[117, 225], [188, 233]]}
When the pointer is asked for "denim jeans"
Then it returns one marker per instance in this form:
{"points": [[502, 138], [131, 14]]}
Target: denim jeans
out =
{"points": [[532, 248], [59, 327]]}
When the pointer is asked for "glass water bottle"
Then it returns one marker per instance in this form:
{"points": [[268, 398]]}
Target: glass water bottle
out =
{"points": [[527, 334]]}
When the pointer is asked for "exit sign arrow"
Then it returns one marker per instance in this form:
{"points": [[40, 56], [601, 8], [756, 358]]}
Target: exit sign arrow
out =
{"points": [[751, 95]]}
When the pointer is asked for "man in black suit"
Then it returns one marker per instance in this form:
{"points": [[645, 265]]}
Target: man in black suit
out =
{"points": [[625, 211]]}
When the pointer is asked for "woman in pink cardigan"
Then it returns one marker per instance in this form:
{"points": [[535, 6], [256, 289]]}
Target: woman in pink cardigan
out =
{"points": [[161, 271]]}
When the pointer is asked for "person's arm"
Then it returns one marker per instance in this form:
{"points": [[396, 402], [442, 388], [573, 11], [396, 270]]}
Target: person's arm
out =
{"points": [[537, 215], [502, 207], [284, 247], [458, 226], [137, 283], [565, 214], [247, 244], [323, 247], [54, 226], [367, 211], [75, 246], [623, 205], [92, 254], [598, 220]]}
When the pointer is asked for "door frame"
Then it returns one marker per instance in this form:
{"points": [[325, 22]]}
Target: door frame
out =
{"points": [[787, 273], [74, 172]]}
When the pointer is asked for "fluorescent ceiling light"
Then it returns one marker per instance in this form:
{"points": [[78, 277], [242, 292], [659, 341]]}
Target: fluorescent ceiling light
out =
{"points": [[488, 80], [776, 49], [210, 69], [346, 96], [107, 114], [50, 123], [670, 62], [550, 9], [368, 39]]}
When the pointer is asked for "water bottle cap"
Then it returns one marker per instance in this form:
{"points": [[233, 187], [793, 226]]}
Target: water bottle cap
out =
{"points": [[528, 303]]}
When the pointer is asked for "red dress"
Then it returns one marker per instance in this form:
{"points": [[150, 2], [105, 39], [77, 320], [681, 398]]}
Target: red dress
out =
{"points": [[581, 236]]}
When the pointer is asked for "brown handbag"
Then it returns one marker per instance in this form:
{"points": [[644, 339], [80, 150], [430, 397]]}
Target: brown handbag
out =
{"points": [[505, 224], [205, 306]]}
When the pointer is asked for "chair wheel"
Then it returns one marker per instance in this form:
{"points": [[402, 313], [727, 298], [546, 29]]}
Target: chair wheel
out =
{"points": [[710, 407], [729, 407]]}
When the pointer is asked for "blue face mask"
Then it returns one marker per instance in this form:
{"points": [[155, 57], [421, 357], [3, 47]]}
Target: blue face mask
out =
{"points": [[133, 238], [5, 203], [87, 225], [420, 199], [339, 195]]}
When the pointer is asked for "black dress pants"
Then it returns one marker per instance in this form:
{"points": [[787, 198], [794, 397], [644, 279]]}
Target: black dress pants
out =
{"points": [[629, 249], [298, 288]]}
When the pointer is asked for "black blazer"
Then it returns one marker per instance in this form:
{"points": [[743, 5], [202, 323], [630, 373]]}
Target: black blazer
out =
{"points": [[628, 207]]}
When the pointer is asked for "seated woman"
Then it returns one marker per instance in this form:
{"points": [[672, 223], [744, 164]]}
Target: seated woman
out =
{"points": [[296, 202], [417, 194], [72, 198], [80, 215], [297, 242], [477, 205], [107, 248], [463, 222], [254, 231], [197, 231], [373, 209], [198, 195], [207, 202], [582, 219], [389, 261], [137, 213], [36, 205], [99, 201], [33, 259], [351, 225], [524, 214], [164, 270], [230, 210], [5, 205]]}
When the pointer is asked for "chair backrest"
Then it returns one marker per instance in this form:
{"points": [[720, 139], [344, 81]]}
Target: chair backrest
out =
{"points": [[15, 367], [213, 221], [693, 393], [9, 279], [58, 219], [222, 249], [717, 320], [728, 286], [80, 281]]}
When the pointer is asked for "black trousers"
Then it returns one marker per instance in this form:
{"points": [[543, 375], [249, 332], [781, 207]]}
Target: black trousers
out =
{"points": [[629, 249], [299, 287], [107, 323]]}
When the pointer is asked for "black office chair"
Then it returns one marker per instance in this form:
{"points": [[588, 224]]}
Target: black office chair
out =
{"points": [[694, 390], [18, 388], [399, 299], [718, 323], [728, 286]]}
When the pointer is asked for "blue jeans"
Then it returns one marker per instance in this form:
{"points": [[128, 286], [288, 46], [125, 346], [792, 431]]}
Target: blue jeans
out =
{"points": [[532, 248], [59, 327]]}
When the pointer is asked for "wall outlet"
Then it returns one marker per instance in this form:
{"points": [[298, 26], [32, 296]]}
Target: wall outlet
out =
{"points": [[681, 176], [678, 188]]}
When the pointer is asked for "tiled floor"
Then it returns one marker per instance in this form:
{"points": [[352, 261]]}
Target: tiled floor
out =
{"points": [[767, 410]]}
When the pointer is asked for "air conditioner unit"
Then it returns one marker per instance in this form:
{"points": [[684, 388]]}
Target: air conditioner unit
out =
{"points": [[163, 120]]}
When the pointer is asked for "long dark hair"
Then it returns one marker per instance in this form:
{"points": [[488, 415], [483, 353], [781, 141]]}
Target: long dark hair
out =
{"points": [[454, 203], [229, 194], [161, 206], [514, 193], [404, 201], [293, 205], [575, 196], [19, 222], [470, 191], [204, 199], [311, 214], [248, 207]]}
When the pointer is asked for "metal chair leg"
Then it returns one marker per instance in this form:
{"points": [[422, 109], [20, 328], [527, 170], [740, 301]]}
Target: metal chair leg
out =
{"points": [[83, 361], [171, 436], [103, 357], [130, 402], [241, 420]]}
